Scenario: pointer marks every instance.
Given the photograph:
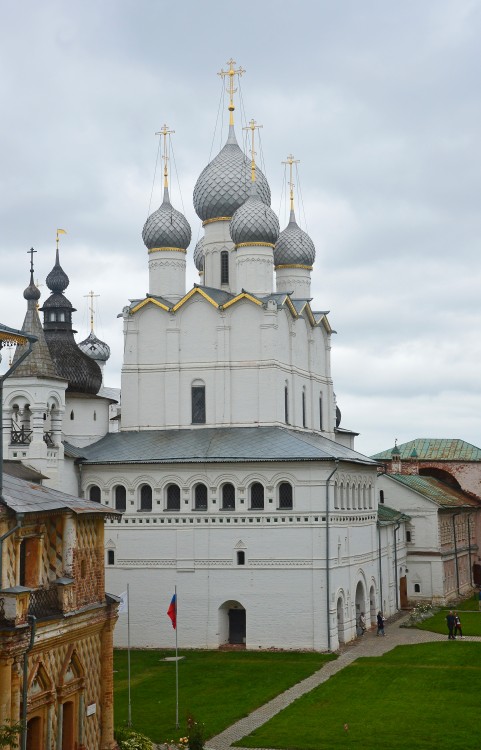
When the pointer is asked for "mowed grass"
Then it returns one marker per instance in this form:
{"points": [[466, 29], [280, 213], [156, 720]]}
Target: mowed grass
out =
{"points": [[469, 615], [216, 687], [421, 697]]}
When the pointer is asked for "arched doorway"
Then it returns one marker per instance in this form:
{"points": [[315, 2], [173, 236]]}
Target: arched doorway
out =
{"points": [[372, 605], [360, 600], [233, 624], [340, 620], [34, 734], [68, 726]]}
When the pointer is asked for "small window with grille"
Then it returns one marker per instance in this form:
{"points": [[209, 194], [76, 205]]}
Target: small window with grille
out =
{"points": [[224, 267], [173, 497], [285, 495], [95, 494], [120, 497], [198, 404], [110, 557], [200, 499], [228, 497], [146, 497], [257, 496]]}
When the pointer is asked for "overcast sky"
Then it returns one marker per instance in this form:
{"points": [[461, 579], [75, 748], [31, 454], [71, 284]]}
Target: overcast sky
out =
{"points": [[380, 101]]}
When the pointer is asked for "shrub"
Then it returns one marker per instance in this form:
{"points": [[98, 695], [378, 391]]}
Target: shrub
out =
{"points": [[419, 613], [129, 739], [196, 734]]}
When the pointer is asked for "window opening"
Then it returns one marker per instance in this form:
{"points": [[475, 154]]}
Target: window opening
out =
{"points": [[198, 404], [286, 404], [241, 557], [408, 536], [417, 588], [320, 411], [285, 495], [110, 557], [257, 496], [95, 494], [120, 497], [303, 408], [173, 497], [381, 496], [200, 497], [72, 415], [224, 267], [146, 497], [228, 497]]}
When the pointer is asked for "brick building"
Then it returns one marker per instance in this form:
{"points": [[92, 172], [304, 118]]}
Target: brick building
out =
{"points": [[56, 622]]}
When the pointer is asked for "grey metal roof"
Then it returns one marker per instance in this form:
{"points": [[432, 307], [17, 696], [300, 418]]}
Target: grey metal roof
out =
{"points": [[27, 497], [294, 246], [39, 363], [167, 227], [254, 222], [217, 445], [223, 185], [22, 471]]}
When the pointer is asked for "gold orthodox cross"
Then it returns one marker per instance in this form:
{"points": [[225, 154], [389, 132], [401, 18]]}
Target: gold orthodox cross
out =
{"points": [[230, 87], [290, 160], [91, 295], [164, 131], [252, 126]]}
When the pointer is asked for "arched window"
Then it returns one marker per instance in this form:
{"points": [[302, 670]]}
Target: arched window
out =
{"points": [[228, 497], [110, 557], [286, 404], [257, 496], [224, 267], [241, 557], [95, 416], [303, 407], [200, 497], [146, 497], [120, 497], [198, 404], [285, 495], [173, 497], [381, 496], [72, 415], [95, 494]]}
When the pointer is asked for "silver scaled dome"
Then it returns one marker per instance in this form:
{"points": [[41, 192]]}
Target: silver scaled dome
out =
{"points": [[294, 246], [199, 255], [254, 222], [223, 185], [166, 228], [95, 348]]}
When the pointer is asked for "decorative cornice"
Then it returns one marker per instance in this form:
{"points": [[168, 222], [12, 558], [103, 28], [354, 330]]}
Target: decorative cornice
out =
{"points": [[217, 218], [293, 265], [242, 295], [180, 264], [167, 249], [254, 244], [146, 302]]}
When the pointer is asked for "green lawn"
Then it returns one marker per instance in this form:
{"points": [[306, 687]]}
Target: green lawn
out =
{"points": [[469, 615], [216, 687], [422, 697]]}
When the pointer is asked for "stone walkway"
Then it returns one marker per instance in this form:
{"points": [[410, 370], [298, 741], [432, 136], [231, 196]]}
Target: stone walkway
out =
{"points": [[369, 645]]}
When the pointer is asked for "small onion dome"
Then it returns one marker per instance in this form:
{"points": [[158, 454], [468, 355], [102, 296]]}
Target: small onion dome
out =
{"points": [[32, 292], [254, 222], [95, 348], [199, 255], [57, 280], [166, 228], [294, 246], [223, 185]]}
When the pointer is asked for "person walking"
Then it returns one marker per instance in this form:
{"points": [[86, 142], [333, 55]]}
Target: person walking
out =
{"points": [[380, 624], [451, 622], [362, 624], [457, 626]]}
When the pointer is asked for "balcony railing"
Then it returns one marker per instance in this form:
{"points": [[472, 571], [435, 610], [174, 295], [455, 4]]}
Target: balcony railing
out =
{"points": [[20, 435], [44, 602]]}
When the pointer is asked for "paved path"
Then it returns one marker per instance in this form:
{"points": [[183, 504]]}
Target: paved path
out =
{"points": [[369, 645]]}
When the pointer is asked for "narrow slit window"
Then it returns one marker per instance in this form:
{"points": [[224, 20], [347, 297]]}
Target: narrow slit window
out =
{"points": [[320, 412], [110, 557], [224, 267], [286, 404], [303, 408], [200, 497], [241, 557], [198, 404]]}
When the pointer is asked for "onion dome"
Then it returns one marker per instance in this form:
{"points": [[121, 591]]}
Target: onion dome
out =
{"points": [[199, 255], [95, 348], [294, 246], [32, 292], [254, 222], [166, 228], [71, 364], [223, 185]]}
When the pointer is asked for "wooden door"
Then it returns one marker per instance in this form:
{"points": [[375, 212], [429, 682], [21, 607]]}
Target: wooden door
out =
{"points": [[403, 592]]}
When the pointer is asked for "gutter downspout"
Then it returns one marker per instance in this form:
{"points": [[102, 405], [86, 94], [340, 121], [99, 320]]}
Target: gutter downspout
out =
{"points": [[396, 529], [32, 620], [381, 607], [469, 551], [328, 576], [19, 519], [456, 550]]}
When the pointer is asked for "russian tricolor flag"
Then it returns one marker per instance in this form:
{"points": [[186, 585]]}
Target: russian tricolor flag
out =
{"points": [[172, 611]]}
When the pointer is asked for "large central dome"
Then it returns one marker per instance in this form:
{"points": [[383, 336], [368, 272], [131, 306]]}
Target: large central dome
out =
{"points": [[224, 184]]}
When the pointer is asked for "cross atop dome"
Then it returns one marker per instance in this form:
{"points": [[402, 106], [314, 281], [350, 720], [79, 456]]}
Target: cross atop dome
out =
{"points": [[253, 126], [230, 87], [290, 160], [164, 131]]}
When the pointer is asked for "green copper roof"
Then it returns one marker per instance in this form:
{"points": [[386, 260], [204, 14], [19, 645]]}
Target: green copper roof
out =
{"points": [[434, 450], [387, 515], [433, 489]]}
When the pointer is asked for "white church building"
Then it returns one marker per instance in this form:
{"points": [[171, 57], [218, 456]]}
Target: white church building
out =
{"points": [[239, 486]]}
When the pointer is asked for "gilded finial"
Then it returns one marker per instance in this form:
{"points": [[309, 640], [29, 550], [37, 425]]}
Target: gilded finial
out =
{"points": [[60, 231], [290, 160], [91, 296], [252, 126], [230, 87], [164, 131]]}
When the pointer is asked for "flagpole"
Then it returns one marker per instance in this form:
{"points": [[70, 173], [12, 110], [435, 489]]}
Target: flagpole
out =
{"points": [[176, 666], [129, 719]]}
